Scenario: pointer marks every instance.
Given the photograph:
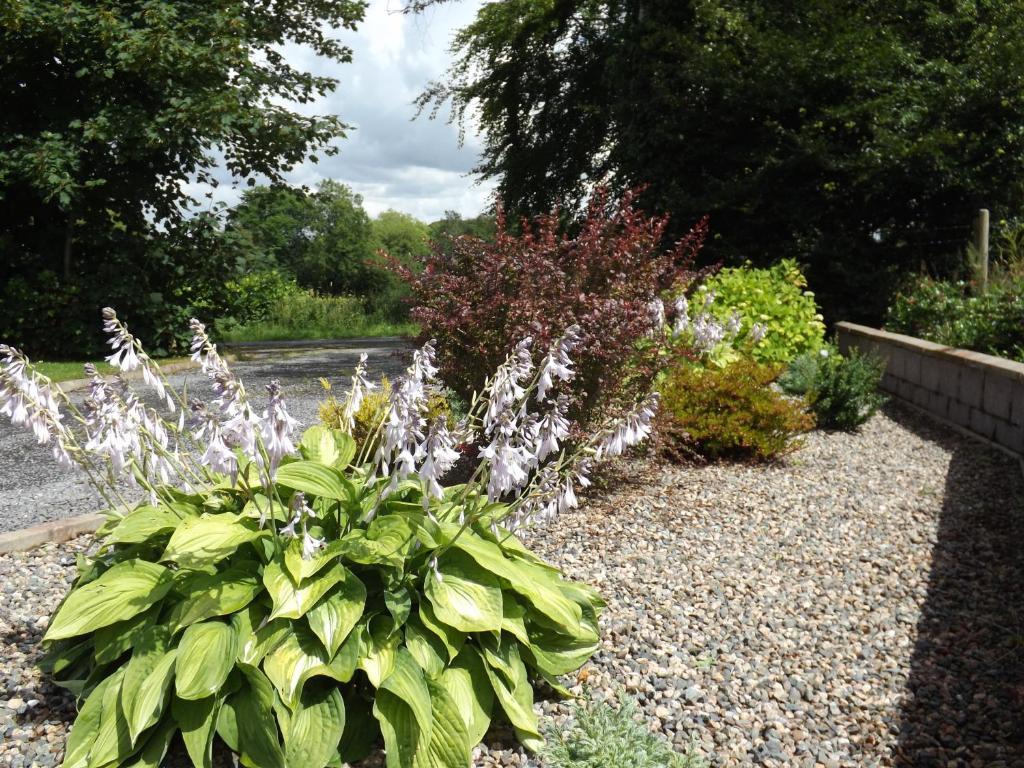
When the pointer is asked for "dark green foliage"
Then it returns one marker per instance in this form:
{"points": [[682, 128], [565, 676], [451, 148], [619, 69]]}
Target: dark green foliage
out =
{"points": [[329, 243], [955, 313], [798, 378], [161, 281], [110, 110], [601, 735], [728, 413], [850, 135], [844, 393]]}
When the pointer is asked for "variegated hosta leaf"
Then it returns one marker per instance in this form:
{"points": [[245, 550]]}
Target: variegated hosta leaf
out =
{"points": [[467, 596], [206, 656], [120, 593]]}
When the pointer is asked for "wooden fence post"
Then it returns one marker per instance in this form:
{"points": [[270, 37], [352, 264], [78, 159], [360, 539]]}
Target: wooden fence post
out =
{"points": [[981, 246]]}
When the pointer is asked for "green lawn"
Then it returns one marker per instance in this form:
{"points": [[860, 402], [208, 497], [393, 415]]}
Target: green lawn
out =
{"points": [[65, 370]]}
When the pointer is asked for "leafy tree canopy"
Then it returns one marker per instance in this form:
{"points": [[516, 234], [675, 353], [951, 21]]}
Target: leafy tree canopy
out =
{"points": [[849, 134], [401, 235], [323, 238], [112, 107]]}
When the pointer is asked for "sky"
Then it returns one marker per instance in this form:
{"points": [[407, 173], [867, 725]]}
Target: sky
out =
{"points": [[393, 161]]}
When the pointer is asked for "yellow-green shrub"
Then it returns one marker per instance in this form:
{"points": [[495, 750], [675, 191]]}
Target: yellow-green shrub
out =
{"points": [[778, 298], [728, 412]]}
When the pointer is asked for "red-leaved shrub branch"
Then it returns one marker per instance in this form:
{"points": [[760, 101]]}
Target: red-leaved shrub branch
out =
{"points": [[478, 298]]}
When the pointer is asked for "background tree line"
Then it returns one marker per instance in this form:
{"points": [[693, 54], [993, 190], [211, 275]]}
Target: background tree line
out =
{"points": [[850, 134]]}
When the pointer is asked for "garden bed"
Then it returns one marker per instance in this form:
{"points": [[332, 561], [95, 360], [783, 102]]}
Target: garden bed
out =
{"points": [[859, 604]]}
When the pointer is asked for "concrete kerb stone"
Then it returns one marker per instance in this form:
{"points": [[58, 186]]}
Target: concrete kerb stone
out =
{"points": [[57, 532], [977, 393]]}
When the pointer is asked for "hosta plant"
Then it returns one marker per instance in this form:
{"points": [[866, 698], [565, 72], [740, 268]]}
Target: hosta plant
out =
{"points": [[298, 601]]}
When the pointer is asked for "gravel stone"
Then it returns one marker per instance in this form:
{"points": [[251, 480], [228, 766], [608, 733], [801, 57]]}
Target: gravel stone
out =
{"points": [[856, 605]]}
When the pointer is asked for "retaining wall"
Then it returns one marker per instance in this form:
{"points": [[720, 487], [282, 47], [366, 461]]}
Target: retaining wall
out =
{"points": [[981, 393]]}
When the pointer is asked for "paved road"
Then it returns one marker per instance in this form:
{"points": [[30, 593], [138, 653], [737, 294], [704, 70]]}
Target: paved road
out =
{"points": [[34, 490]]}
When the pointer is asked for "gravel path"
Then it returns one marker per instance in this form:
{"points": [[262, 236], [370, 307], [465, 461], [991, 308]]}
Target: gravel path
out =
{"points": [[33, 490], [860, 605]]}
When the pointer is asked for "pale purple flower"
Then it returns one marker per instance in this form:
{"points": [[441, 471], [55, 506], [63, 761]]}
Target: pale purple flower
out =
{"points": [[757, 332], [506, 386], [552, 429], [733, 324], [360, 386], [439, 457], [401, 442], [708, 333], [633, 428], [556, 364], [276, 428], [28, 401], [682, 316], [656, 313]]}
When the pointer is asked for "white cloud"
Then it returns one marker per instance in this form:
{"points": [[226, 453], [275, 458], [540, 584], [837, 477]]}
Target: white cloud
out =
{"points": [[389, 158]]}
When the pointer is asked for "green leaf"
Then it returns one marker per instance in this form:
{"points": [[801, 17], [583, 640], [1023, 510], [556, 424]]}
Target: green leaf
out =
{"points": [[330, 447], [466, 596], [153, 751], [398, 601], [449, 745], [315, 479], [318, 445], [206, 656], [142, 523], [516, 697], [215, 594], [204, 541], [557, 654], [452, 638], [426, 647], [263, 641], [299, 657], [292, 600], [513, 618], [113, 740], [539, 585], [197, 719], [123, 591], [258, 740], [315, 728], [86, 727], [378, 646], [402, 705], [469, 686], [114, 640], [334, 617], [147, 678]]}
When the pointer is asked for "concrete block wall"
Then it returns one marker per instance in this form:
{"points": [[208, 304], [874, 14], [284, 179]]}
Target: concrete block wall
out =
{"points": [[981, 393]]}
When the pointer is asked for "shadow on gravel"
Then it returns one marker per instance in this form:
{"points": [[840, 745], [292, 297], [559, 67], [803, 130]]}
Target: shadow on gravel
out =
{"points": [[965, 692]]}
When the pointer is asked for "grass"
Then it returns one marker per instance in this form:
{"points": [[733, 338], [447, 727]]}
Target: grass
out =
{"points": [[279, 332], [305, 315], [66, 370]]}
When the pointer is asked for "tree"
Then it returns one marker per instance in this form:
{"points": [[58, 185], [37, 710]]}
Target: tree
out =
{"points": [[111, 108], [401, 235], [445, 231], [848, 134], [323, 238]]}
